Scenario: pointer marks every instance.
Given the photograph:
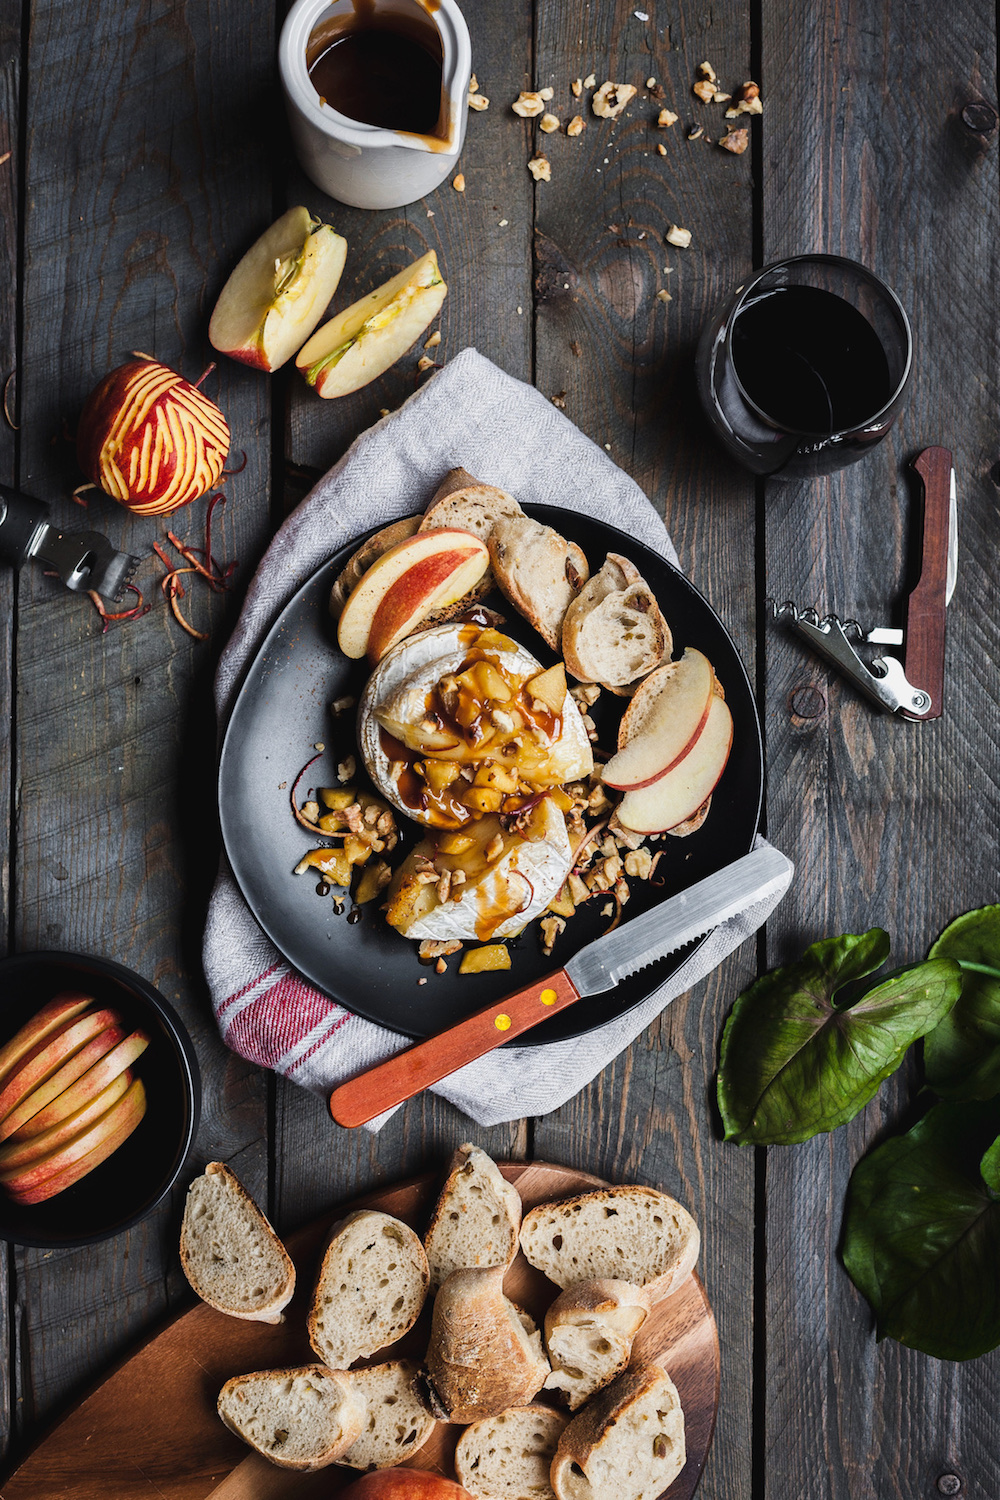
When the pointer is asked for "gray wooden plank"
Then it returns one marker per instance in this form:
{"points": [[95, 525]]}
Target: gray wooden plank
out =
{"points": [[143, 177], [869, 807], [602, 220]]}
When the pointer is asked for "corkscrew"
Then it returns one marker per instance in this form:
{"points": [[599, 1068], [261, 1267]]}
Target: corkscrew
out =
{"points": [[913, 687]]}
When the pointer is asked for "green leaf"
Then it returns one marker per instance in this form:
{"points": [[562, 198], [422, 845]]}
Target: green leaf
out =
{"points": [[962, 1053], [922, 1232], [795, 1062]]}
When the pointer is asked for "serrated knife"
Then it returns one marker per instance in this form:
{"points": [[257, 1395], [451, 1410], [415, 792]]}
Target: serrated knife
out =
{"points": [[596, 968]]}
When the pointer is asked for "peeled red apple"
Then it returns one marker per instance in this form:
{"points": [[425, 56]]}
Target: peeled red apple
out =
{"points": [[364, 340], [663, 722], [279, 291], [677, 795], [404, 1484], [150, 439], [423, 572]]}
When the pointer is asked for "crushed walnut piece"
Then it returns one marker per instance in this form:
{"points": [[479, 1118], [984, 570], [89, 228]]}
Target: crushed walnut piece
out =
{"points": [[576, 125], [707, 71], [576, 87], [558, 401], [528, 104], [704, 90], [662, 149], [611, 99], [675, 235], [651, 83], [695, 133], [590, 80], [548, 123], [666, 118], [748, 101], [736, 141], [719, 97], [473, 83], [478, 102], [432, 948], [663, 296], [540, 168], [458, 182], [425, 363], [346, 770], [638, 862], [341, 705], [585, 693], [434, 339], [551, 928]]}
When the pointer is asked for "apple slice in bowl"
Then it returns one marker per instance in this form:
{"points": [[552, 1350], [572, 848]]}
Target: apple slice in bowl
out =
{"points": [[366, 338]]}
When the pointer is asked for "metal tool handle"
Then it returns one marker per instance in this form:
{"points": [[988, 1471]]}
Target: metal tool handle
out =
{"points": [[923, 660], [410, 1072], [21, 518]]}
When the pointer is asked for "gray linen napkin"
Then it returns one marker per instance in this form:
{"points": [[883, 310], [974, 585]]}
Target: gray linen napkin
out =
{"points": [[471, 415]]}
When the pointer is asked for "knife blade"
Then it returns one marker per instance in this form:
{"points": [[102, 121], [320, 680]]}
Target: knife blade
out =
{"points": [[598, 967]]}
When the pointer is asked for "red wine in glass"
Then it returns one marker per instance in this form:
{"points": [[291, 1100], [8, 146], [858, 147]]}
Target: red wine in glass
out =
{"points": [[803, 370]]}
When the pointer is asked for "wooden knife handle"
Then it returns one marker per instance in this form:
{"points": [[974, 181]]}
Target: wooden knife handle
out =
{"points": [[925, 609], [412, 1071]]}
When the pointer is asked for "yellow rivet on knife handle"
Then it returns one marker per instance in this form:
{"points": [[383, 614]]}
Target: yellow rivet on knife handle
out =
{"points": [[502, 1023], [548, 997]]}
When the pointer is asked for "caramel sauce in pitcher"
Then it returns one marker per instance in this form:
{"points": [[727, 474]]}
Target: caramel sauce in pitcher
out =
{"points": [[382, 68]]}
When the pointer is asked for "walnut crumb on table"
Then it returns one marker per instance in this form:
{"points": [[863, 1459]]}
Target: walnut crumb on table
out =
{"points": [[695, 133], [478, 102], [576, 125], [666, 118], [675, 235], [548, 123], [661, 148], [434, 339], [576, 87], [528, 104], [540, 168], [735, 141], [748, 101], [425, 363], [458, 182], [611, 99], [704, 90], [707, 71]]}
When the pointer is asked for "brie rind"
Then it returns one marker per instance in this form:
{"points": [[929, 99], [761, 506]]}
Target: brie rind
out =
{"points": [[544, 863], [400, 683]]}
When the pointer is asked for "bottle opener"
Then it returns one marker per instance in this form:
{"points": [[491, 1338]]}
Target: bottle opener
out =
{"points": [[84, 560], [913, 687]]}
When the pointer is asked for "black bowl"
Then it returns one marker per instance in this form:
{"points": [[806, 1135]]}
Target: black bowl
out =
{"points": [[133, 1180]]}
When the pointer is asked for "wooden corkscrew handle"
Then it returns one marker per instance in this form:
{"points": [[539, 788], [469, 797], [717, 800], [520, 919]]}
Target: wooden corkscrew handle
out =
{"points": [[925, 609]]}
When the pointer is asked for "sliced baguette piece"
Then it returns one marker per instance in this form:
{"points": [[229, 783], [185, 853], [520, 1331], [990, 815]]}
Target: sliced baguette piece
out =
{"points": [[589, 1332], [369, 551], [508, 1457], [370, 1288], [538, 571], [229, 1252], [397, 1421], [302, 1418], [485, 1354], [462, 501], [626, 1233], [626, 1444], [614, 632], [475, 1220]]}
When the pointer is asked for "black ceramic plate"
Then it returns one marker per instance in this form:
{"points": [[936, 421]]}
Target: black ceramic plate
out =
{"points": [[282, 711]]}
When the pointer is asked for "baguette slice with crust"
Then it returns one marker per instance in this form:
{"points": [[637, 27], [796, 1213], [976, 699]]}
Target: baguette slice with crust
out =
{"points": [[302, 1418], [614, 632], [398, 1420], [538, 571], [627, 1233], [589, 1331], [229, 1252], [462, 501], [626, 1444], [485, 1354], [476, 1219], [508, 1457], [370, 1288]]}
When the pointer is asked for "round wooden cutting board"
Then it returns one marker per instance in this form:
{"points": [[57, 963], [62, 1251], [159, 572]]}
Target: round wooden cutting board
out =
{"points": [[151, 1428]]}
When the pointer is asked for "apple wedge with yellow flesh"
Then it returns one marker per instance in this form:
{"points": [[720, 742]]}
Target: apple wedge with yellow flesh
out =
{"points": [[103, 1072], [664, 725], [59, 1169], [19, 1153], [50, 1055], [677, 795], [62, 1008], [422, 573], [73, 1068], [279, 291], [365, 339]]}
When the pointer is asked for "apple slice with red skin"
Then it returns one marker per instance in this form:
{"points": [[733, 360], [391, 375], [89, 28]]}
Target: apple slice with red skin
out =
{"points": [[103, 1072], [50, 1055], [21, 1152], [60, 1009], [73, 1068], [671, 713], [420, 574], [404, 1484], [59, 1169], [677, 795]]}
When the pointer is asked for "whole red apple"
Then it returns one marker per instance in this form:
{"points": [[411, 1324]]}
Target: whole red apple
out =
{"points": [[404, 1484]]}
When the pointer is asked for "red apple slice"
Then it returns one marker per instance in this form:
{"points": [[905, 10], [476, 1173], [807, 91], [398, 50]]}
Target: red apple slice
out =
{"points": [[421, 573], [19, 1153], [370, 335], [50, 1055], [103, 1072], [73, 1068], [670, 714], [279, 291], [62, 1008], [677, 795], [59, 1169]]}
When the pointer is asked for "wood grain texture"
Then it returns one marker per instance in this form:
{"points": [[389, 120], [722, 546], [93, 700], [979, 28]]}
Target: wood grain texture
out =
{"points": [[602, 221], [124, 1438], [870, 808], [141, 169]]}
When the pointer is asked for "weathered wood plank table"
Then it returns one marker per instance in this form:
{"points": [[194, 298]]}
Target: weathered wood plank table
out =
{"points": [[147, 149]]}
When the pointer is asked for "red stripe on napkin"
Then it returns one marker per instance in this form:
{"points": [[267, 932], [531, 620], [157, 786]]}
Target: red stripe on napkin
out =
{"points": [[276, 1021]]}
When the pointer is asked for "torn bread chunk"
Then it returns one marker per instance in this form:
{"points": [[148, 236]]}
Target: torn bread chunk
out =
{"points": [[614, 632], [589, 1332]]}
